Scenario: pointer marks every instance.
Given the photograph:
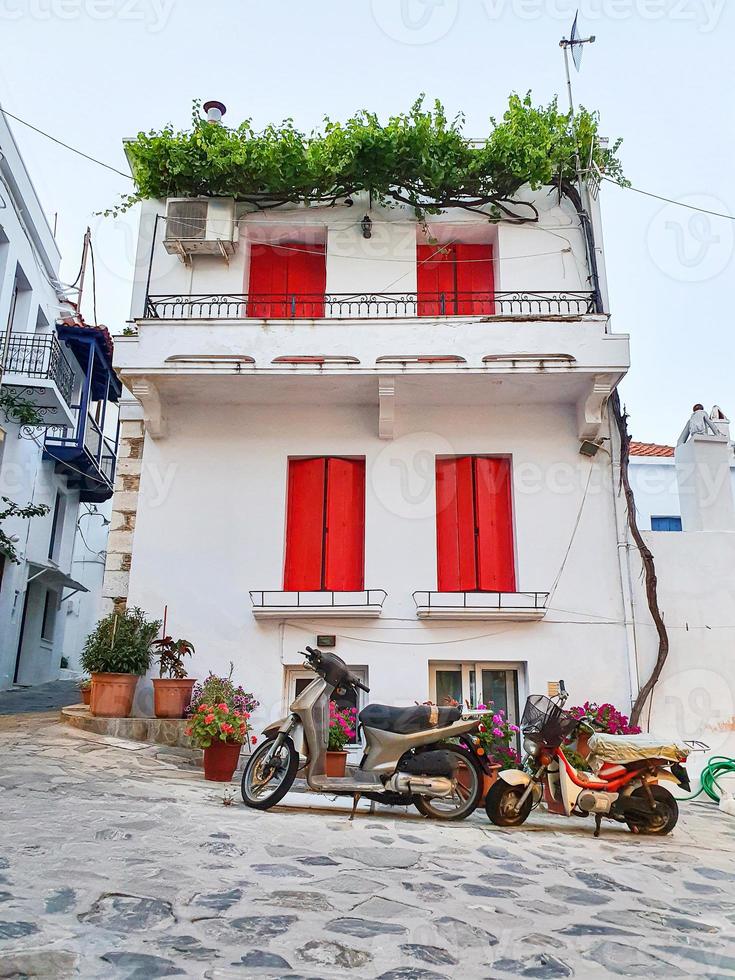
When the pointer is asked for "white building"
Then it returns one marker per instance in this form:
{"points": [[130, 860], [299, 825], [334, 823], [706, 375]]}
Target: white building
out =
{"points": [[51, 359], [375, 440]]}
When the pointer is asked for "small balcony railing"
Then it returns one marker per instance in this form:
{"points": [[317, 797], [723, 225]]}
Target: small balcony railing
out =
{"points": [[86, 437], [40, 358], [294, 306]]}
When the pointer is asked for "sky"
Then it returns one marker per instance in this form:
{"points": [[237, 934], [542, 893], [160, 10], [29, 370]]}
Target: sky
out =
{"points": [[91, 72]]}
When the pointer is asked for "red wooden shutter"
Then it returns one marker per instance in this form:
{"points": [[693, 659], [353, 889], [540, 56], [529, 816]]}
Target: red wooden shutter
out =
{"points": [[307, 279], [435, 269], [475, 280], [455, 525], [494, 517], [305, 525], [267, 284], [345, 525]]}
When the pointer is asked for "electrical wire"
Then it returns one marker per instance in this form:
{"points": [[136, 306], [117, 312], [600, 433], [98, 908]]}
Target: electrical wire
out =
{"points": [[66, 146], [94, 283], [668, 200]]}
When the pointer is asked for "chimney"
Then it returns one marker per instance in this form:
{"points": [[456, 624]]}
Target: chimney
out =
{"points": [[215, 110], [705, 483]]}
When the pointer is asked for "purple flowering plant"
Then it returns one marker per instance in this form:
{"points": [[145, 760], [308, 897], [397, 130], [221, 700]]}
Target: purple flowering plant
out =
{"points": [[216, 690], [497, 736], [604, 718], [342, 726]]}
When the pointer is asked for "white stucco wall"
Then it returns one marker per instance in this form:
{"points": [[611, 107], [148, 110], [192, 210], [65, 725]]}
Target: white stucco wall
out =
{"points": [[210, 527]]}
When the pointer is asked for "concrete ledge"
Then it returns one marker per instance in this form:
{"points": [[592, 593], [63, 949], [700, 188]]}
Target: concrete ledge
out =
{"points": [[156, 731]]}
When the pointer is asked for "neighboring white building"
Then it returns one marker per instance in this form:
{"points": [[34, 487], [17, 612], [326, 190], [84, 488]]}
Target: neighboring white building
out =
{"points": [[375, 439], [52, 359], [695, 696]]}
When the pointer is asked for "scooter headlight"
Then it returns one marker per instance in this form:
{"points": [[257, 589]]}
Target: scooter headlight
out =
{"points": [[530, 747]]}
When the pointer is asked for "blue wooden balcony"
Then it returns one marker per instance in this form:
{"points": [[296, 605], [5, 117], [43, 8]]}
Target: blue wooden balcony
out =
{"points": [[86, 452]]}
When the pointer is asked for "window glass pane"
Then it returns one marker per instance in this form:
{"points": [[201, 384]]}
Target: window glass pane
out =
{"points": [[666, 524], [494, 689], [448, 686]]}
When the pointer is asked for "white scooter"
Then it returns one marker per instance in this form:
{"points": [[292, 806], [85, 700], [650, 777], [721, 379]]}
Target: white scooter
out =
{"points": [[407, 759]]}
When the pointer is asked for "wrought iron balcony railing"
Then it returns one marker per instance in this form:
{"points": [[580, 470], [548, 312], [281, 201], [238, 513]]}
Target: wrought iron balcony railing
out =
{"points": [[233, 306], [40, 357], [88, 439]]}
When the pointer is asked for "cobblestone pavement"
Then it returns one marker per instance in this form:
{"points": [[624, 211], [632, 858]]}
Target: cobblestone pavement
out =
{"points": [[115, 862], [41, 697]]}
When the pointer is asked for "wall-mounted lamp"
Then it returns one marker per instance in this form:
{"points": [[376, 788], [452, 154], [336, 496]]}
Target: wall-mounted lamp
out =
{"points": [[589, 448], [367, 227]]}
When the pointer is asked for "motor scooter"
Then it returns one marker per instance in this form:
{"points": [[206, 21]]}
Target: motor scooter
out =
{"points": [[624, 785], [407, 757]]}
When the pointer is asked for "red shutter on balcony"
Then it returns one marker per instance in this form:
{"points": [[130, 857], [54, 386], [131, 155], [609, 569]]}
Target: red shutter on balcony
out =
{"points": [[454, 279], [325, 525], [345, 527], [475, 280], [305, 525], [287, 280], [474, 527], [494, 517], [435, 279], [455, 525]]}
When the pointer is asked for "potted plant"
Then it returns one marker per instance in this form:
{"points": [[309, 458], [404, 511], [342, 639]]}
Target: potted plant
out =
{"points": [[603, 718], [85, 689], [116, 654], [341, 731], [221, 732], [494, 745], [214, 689], [172, 693]]}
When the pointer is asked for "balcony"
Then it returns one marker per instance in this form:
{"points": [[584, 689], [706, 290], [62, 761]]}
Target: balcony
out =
{"points": [[506, 606], [37, 369], [365, 604], [85, 455], [355, 306]]}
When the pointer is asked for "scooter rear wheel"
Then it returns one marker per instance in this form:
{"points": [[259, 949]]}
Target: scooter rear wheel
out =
{"points": [[662, 820], [468, 791], [501, 801], [263, 787]]}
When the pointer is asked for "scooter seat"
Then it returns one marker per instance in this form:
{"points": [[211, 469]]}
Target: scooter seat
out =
{"points": [[408, 721]]}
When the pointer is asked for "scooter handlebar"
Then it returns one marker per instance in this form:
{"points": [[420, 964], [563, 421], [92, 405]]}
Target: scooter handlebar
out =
{"points": [[360, 685]]}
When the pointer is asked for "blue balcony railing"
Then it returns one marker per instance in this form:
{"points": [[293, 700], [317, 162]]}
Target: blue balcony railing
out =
{"points": [[85, 453]]}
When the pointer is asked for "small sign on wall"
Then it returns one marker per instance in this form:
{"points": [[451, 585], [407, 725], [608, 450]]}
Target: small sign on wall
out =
{"points": [[326, 641], [552, 688]]}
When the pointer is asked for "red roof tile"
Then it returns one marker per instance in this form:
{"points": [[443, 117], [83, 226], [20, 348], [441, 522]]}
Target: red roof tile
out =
{"points": [[650, 449]]}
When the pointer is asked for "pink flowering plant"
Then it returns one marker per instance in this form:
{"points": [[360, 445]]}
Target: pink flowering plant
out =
{"points": [[214, 690], [342, 727], [604, 718], [212, 722], [497, 736]]}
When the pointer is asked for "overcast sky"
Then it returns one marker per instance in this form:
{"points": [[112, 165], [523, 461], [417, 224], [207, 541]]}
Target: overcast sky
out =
{"points": [[93, 71]]}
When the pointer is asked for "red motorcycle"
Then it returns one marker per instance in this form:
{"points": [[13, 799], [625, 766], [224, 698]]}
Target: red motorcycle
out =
{"points": [[625, 784]]}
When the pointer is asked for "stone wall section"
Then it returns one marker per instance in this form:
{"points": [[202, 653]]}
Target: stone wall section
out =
{"points": [[124, 509]]}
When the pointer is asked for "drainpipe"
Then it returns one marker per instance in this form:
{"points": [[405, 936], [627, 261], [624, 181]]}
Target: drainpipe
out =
{"points": [[624, 566]]}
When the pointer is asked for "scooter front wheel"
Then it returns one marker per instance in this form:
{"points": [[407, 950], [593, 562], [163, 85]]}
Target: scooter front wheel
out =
{"points": [[265, 783], [501, 804]]}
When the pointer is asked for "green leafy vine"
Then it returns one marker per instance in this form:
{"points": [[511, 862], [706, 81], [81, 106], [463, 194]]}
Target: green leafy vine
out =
{"points": [[420, 158]]}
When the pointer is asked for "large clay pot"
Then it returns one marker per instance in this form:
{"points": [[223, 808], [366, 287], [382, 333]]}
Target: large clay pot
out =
{"points": [[488, 780], [112, 695], [336, 764], [171, 696], [220, 761]]}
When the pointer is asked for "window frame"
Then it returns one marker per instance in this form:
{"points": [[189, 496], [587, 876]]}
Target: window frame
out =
{"points": [[48, 616], [293, 673]]}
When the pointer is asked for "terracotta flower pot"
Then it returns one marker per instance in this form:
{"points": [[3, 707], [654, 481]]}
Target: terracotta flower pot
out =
{"points": [[220, 761], [583, 744], [112, 695], [488, 780], [335, 764], [86, 693], [171, 696]]}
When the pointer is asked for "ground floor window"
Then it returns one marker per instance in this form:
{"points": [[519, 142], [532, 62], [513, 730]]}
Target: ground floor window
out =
{"points": [[476, 683], [48, 623], [297, 678]]}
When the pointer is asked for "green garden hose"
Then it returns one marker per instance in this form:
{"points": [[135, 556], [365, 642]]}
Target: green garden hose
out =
{"points": [[718, 765]]}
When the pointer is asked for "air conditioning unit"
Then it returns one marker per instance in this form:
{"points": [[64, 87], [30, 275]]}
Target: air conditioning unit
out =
{"points": [[200, 226]]}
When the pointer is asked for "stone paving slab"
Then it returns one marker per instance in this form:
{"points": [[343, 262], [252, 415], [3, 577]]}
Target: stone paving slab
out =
{"points": [[114, 863], [41, 697]]}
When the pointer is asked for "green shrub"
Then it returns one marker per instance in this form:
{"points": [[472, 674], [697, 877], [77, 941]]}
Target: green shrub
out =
{"points": [[120, 644]]}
